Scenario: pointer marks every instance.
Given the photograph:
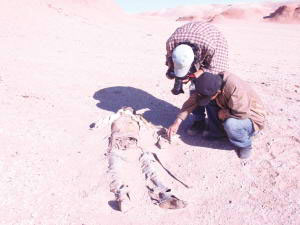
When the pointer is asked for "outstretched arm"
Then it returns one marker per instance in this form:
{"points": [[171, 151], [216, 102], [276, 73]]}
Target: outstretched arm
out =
{"points": [[186, 109]]}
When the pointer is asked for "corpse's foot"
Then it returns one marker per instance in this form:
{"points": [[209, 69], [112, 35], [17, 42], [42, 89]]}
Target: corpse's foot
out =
{"points": [[172, 202], [123, 202]]}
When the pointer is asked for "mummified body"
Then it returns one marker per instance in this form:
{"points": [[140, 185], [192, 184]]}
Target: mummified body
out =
{"points": [[125, 147]]}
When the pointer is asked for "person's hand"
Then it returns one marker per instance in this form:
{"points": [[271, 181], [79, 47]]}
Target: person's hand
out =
{"points": [[173, 128], [185, 81], [195, 76], [223, 114], [198, 73], [170, 74], [170, 78]]}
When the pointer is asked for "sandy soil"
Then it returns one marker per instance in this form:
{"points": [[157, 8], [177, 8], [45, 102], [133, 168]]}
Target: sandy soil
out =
{"points": [[60, 72]]}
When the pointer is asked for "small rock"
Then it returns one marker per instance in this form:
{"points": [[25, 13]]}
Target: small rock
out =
{"points": [[244, 163]]}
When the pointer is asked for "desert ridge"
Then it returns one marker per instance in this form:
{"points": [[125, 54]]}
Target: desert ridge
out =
{"points": [[284, 12]]}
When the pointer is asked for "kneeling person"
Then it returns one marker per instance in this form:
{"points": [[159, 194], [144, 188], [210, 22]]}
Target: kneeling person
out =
{"points": [[233, 109]]}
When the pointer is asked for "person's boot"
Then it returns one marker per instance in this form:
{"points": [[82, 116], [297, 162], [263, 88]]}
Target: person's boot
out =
{"points": [[197, 127], [210, 136], [244, 153]]}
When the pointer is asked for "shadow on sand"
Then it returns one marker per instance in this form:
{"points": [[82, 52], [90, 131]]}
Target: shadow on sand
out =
{"points": [[197, 140], [114, 205], [160, 112], [113, 98]]}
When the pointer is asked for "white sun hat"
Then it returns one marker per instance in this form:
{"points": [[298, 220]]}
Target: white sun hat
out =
{"points": [[183, 57]]}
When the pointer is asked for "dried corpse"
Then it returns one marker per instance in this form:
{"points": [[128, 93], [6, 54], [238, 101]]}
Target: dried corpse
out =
{"points": [[125, 129]]}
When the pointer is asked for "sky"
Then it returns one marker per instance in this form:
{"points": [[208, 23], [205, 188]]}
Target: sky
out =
{"points": [[137, 6]]}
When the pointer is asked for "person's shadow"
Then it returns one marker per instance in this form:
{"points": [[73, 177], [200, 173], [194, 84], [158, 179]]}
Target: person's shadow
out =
{"points": [[160, 112], [114, 98]]}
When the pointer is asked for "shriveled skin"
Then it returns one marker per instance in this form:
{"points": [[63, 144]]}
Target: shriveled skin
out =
{"points": [[125, 125], [124, 131]]}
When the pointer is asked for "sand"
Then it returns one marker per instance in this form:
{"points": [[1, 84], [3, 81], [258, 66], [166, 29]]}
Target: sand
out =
{"points": [[61, 70]]}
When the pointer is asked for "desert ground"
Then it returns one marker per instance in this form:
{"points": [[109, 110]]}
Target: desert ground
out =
{"points": [[66, 64]]}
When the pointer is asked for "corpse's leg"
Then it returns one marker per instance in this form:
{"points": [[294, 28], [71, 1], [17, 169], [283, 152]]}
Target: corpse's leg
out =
{"points": [[116, 164], [157, 190], [150, 168]]}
